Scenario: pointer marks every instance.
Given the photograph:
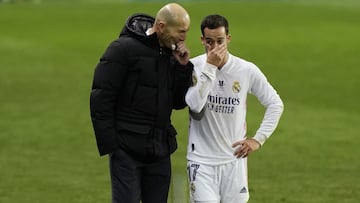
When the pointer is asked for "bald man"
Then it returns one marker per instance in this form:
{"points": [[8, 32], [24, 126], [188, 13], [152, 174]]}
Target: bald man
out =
{"points": [[140, 78]]}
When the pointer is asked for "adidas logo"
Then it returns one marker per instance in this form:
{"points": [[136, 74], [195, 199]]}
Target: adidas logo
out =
{"points": [[243, 190]]}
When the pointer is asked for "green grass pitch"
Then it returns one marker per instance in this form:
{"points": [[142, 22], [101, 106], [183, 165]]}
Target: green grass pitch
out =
{"points": [[309, 51]]}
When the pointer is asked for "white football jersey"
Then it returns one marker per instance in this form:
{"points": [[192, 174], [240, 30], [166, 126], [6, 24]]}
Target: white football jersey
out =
{"points": [[217, 103]]}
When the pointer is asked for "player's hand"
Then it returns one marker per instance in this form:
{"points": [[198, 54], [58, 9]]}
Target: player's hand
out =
{"points": [[181, 53], [245, 147], [216, 55]]}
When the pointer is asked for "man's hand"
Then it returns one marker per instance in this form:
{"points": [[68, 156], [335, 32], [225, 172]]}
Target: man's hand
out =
{"points": [[245, 147], [181, 53], [217, 55]]}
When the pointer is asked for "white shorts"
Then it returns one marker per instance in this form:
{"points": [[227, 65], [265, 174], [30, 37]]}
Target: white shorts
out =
{"points": [[226, 183]]}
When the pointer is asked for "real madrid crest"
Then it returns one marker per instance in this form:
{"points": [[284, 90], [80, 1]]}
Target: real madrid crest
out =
{"points": [[194, 80], [236, 87], [192, 187]]}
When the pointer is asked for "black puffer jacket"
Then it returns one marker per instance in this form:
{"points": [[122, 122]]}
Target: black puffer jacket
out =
{"points": [[136, 85]]}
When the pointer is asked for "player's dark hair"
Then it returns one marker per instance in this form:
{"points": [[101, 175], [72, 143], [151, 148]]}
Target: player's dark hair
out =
{"points": [[213, 22]]}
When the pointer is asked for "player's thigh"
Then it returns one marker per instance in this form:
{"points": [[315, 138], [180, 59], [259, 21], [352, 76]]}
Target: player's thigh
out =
{"points": [[234, 187], [202, 183]]}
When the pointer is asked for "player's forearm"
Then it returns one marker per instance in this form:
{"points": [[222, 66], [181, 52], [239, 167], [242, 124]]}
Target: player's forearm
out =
{"points": [[270, 121], [197, 95]]}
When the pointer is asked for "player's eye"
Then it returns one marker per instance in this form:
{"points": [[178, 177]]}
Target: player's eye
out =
{"points": [[209, 42], [220, 41]]}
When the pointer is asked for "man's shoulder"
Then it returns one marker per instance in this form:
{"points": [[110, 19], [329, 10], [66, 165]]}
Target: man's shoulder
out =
{"points": [[198, 61], [240, 60], [125, 44], [241, 63], [199, 57]]}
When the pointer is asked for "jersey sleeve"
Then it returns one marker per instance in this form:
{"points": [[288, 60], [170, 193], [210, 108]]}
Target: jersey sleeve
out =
{"points": [[203, 80], [269, 98]]}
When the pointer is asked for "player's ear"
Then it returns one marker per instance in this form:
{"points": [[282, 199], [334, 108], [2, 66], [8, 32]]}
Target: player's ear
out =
{"points": [[202, 40], [228, 38]]}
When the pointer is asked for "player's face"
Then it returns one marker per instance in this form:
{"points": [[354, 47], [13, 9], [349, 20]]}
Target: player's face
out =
{"points": [[215, 37], [173, 34]]}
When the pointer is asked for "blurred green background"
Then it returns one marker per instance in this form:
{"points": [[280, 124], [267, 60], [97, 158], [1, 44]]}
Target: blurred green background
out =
{"points": [[309, 50]]}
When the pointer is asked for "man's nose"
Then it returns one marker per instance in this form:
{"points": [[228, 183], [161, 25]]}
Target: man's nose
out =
{"points": [[182, 37]]}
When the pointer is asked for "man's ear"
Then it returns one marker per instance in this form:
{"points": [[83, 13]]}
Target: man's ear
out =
{"points": [[160, 26], [228, 37]]}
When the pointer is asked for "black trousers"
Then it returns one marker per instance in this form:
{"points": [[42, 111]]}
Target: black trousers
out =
{"points": [[132, 180]]}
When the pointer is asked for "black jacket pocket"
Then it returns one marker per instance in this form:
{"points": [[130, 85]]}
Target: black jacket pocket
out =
{"points": [[171, 131], [135, 139]]}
